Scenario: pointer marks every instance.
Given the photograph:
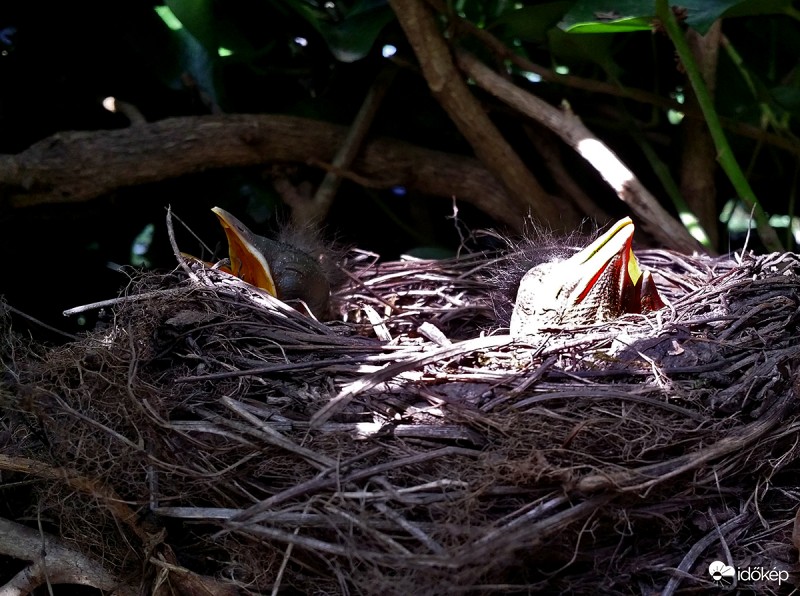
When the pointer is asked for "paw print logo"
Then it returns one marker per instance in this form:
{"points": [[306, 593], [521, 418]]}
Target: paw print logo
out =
{"points": [[721, 573]]}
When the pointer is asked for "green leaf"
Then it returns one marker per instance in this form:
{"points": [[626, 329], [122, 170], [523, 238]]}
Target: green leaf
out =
{"points": [[483, 12], [353, 38], [703, 14], [182, 53], [759, 7], [619, 16], [624, 16], [597, 49], [617, 25]]}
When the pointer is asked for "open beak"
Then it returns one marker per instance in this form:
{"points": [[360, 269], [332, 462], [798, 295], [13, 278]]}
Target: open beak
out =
{"points": [[605, 276], [601, 282], [606, 272], [247, 260]]}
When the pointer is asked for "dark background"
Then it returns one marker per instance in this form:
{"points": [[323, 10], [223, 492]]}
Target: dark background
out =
{"points": [[58, 61]]}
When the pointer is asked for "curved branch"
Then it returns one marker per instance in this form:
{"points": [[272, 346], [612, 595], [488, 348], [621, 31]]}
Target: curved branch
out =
{"points": [[78, 166]]}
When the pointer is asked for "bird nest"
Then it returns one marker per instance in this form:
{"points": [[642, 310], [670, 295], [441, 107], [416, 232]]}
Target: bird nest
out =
{"points": [[209, 437]]}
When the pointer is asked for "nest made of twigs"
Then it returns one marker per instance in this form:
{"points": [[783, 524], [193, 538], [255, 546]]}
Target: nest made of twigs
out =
{"points": [[211, 432]]}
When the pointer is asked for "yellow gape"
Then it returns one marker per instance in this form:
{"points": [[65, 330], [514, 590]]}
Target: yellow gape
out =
{"points": [[286, 271], [248, 260]]}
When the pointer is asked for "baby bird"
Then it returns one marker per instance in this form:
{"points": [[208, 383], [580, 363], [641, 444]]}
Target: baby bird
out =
{"points": [[601, 282], [288, 269]]}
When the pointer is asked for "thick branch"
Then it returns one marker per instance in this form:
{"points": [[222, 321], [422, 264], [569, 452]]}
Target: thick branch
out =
{"points": [[450, 90], [77, 166], [654, 218]]}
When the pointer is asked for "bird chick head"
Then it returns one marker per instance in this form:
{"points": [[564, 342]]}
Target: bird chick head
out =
{"points": [[599, 283], [291, 268]]}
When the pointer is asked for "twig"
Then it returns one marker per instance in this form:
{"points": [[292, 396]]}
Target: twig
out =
{"points": [[143, 297], [270, 435], [28, 317], [325, 480], [348, 393], [699, 547], [316, 212], [176, 251]]}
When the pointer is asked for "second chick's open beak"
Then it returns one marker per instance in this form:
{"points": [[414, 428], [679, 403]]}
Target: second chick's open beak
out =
{"points": [[283, 270]]}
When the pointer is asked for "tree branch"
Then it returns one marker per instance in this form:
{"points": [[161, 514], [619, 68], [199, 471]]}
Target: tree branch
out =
{"points": [[699, 155], [503, 52], [725, 155], [654, 218], [316, 210], [450, 90], [78, 166]]}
